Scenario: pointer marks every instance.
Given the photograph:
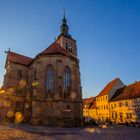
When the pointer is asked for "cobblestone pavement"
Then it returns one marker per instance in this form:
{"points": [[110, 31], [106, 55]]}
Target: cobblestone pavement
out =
{"points": [[27, 132]]}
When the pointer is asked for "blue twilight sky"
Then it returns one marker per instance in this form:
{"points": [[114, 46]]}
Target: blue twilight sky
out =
{"points": [[107, 34]]}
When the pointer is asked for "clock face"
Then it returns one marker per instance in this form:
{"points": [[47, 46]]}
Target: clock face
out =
{"points": [[69, 47]]}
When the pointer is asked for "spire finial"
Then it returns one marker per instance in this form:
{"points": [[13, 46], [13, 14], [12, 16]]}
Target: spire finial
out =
{"points": [[64, 27], [64, 17], [64, 13]]}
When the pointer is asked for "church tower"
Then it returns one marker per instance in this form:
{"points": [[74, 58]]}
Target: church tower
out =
{"points": [[65, 39]]}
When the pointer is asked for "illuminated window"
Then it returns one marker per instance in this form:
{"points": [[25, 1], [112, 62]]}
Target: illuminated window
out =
{"points": [[20, 74], [106, 106], [49, 79]]}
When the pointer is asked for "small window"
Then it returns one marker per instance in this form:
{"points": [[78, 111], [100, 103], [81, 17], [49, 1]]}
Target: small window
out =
{"points": [[106, 106], [126, 103], [20, 74], [18, 92], [68, 107], [120, 104], [18, 106], [35, 77]]}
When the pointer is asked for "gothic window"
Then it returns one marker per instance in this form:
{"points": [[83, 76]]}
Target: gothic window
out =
{"points": [[49, 79], [67, 81], [20, 74], [66, 77]]}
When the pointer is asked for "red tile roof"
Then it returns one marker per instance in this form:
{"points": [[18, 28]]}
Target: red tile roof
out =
{"points": [[18, 58], [127, 92], [93, 105], [55, 48], [88, 100], [108, 87], [91, 102]]}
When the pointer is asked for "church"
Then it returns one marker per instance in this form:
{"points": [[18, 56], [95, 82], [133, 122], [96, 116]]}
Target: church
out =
{"points": [[45, 89]]}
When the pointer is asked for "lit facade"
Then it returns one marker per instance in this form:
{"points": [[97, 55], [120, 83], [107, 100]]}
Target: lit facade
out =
{"points": [[122, 107]]}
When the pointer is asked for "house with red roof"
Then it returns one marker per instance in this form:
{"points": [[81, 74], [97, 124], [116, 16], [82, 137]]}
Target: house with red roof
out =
{"points": [[104, 96], [89, 109], [125, 104], [117, 103]]}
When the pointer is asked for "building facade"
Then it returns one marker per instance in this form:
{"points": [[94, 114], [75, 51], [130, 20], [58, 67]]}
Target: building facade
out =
{"points": [[125, 104], [122, 106], [89, 109], [102, 99], [46, 88]]}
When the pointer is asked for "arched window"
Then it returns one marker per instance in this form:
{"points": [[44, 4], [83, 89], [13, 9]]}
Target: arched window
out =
{"points": [[49, 79], [67, 82], [67, 77]]}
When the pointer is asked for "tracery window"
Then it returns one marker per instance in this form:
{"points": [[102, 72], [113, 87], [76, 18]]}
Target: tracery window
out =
{"points": [[67, 82], [49, 79], [67, 77]]}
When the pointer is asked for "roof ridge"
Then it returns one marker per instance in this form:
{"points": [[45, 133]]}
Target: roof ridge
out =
{"points": [[128, 92], [108, 87], [20, 54]]}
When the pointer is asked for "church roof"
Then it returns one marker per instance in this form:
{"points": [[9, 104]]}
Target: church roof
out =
{"points": [[108, 87], [18, 58], [128, 92], [55, 48]]}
